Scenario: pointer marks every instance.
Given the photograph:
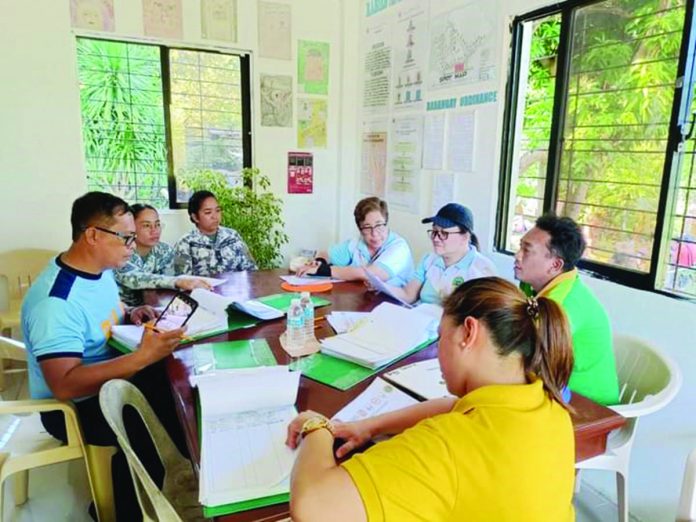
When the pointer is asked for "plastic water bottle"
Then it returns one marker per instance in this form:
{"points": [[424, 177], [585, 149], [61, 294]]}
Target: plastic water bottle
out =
{"points": [[308, 311], [295, 332]]}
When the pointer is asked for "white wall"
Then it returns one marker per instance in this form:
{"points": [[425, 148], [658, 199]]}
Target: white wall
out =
{"points": [[41, 162], [42, 171], [665, 438]]}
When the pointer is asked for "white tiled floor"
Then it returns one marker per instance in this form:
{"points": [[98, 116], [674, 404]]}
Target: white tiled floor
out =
{"points": [[61, 493]]}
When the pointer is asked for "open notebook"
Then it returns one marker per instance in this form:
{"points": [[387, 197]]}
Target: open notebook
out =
{"points": [[210, 318], [243, 451], [219, 305], [386, 334]]}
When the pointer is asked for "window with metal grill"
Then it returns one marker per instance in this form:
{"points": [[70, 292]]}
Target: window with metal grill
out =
{"points": [[594, 123], [151, 114]]}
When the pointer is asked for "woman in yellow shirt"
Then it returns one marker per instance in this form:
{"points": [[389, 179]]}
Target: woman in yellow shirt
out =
{"points": [[503, 450]]}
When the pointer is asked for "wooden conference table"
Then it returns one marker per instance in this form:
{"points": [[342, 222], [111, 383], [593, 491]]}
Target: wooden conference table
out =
{"points": [[592, 422]]}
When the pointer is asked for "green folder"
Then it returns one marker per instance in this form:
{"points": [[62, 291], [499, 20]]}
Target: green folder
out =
{"points": [[282, 301], [342, 374], [247, 353]]}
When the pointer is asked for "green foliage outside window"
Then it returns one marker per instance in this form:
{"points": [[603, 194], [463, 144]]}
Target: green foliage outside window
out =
{"points": [[123, 120], [623, 66]]}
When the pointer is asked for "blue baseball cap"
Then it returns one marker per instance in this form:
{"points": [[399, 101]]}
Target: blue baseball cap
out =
{"points": [[452, 215]]}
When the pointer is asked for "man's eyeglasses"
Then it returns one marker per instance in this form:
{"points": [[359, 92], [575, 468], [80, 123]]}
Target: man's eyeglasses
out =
{"points": [[442, 234], [128, 239], [379, 227]]}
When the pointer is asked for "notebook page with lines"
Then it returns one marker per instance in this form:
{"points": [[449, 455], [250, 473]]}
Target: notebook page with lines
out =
{"points": [[244, 418]]}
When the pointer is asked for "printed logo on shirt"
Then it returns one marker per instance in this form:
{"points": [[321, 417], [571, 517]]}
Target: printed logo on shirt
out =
{"points": [[107, 324], [457, 281]]}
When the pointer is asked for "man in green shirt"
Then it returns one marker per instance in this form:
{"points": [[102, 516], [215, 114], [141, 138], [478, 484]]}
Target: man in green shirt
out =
{"points": [[545, 265]]}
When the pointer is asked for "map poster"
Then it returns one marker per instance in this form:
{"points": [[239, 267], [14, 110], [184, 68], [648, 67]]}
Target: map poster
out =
{"points": [[300, 173], [403, 182], [311, 123], [462, 46], [312, 67], [276, 100], [373, 169]]}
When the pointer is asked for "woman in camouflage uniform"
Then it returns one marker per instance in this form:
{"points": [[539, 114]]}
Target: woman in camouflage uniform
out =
{"points": [[152, 263], [210, 249]]}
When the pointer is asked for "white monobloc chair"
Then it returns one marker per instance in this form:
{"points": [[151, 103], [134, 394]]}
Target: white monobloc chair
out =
{"points": [[648, 381], [686, 512], [177, 501]]}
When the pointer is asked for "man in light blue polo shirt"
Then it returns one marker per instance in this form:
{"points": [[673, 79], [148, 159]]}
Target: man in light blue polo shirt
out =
{"points": [[455, 259], [379, 250], [66, 320]]}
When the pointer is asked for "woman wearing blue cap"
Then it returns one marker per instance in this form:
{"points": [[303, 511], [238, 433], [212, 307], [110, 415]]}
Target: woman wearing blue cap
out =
{"points": [[455, 258]]}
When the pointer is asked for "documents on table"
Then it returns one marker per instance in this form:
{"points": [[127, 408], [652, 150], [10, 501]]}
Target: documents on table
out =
{"points": [[387, 333], [381, 286], [203, 322], [343, 322], [308, 280], [423, 378], [378, 398], [220, 303], [212, 281], [244, 419]]}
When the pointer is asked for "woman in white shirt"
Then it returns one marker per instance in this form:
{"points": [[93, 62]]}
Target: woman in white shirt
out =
{"points": [[455, 258], [379, 250]]}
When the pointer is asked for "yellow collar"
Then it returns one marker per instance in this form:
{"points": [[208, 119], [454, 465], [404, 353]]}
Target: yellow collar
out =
{"points": [[513, 396], [558, 280]]}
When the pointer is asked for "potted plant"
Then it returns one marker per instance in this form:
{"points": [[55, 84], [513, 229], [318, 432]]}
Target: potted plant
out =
{"points": [[249, 208]]}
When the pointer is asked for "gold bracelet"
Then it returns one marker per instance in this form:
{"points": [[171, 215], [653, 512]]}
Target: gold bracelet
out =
{"points": [[316, 423]]}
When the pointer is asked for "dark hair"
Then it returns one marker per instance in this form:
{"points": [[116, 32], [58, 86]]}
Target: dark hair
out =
{"points": [[137, 208], [196, 200], [367, 205], [95, 207], [474, 240], [567, 241], [536, 328]]}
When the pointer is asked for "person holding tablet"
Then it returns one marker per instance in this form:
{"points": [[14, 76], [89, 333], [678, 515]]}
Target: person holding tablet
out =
{"points": [[383, 252]]}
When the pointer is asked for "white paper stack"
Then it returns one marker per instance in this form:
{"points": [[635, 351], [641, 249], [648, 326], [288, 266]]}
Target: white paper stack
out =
{"points": [[378, 398], [308, 280], [343, 322], [244, 419], [387, 333], [203, 321], [219, 303], [423, 378]]}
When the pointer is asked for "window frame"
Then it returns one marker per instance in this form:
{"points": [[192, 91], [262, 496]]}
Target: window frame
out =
{"points": [[679, 123], [245, 88]]}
